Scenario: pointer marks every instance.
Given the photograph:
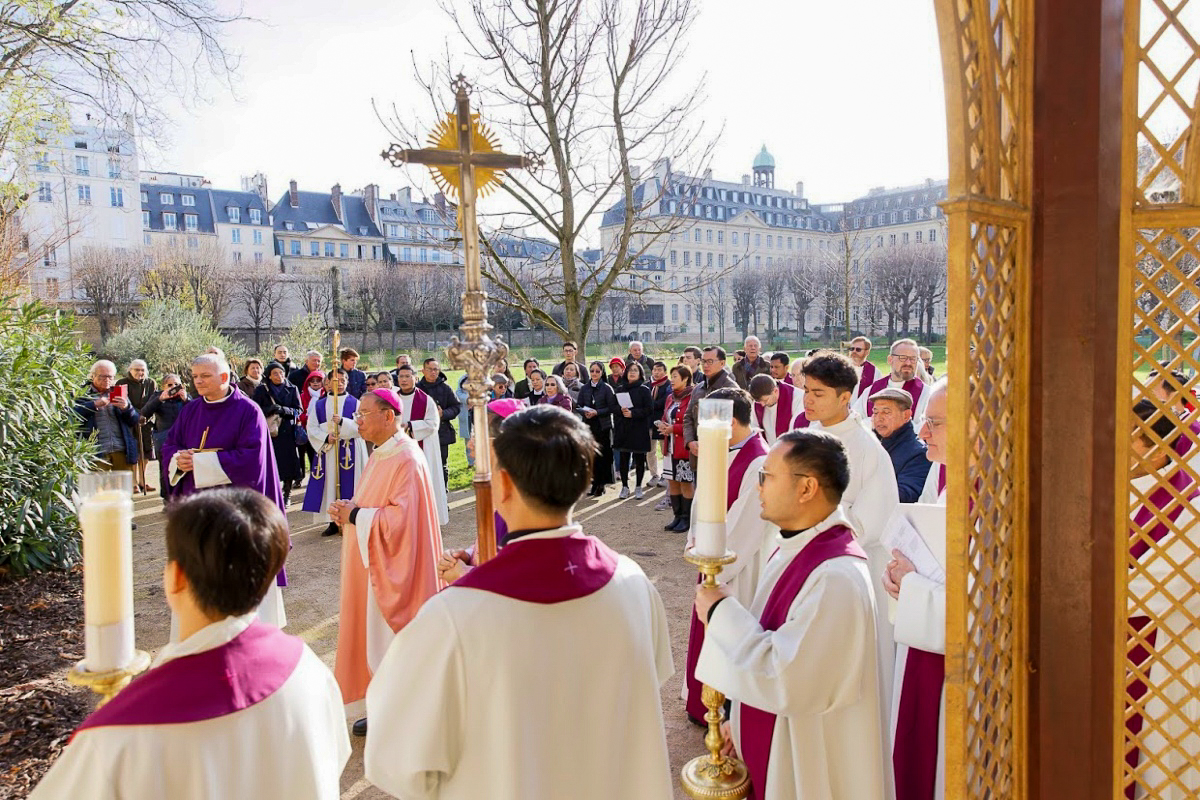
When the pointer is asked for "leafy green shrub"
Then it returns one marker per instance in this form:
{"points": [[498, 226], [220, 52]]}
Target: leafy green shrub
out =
{"points": [[307, 333], [169, 336], [43, 367]]}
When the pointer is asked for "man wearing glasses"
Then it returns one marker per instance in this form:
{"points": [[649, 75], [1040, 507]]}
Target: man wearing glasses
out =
{"points": [[859, 351], [109, 415], [902, 359]]}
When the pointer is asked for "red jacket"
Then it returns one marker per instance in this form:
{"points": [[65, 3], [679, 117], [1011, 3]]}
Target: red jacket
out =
{"points": [[674, 414]]}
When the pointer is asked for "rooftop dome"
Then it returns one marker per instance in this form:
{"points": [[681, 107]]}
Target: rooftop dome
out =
{"points": [[764, 159]]}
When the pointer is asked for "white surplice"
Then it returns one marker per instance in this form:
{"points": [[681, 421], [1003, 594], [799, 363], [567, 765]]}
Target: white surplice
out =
{"points": [[869, 501], [818, 673], [292, 744], [1172, 705], [484, 696], [921, 623], [318, 433], [425, 432], [770, 415], [930, 493]]}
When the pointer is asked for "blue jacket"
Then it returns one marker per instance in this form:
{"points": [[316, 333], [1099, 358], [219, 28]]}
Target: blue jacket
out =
{"points": [[908, 461], [85, 407]]}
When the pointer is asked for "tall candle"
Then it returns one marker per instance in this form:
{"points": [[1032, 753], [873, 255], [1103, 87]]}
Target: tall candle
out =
{"points": [[106, 518], [713, 432]]}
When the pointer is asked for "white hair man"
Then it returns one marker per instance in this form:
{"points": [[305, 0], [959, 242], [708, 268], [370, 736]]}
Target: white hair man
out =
{"points": [[637, 352], [753, 364], [221, 439], [105, 412]]}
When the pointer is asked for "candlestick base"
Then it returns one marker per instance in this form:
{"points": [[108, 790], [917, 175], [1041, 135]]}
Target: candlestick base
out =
{"points": [[109, 682]]}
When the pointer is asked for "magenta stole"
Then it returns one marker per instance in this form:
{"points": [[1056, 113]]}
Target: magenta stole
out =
{"points": [[783, 422], [869, 374], [420, 405], [240, 673], [758, 726], [914, 387], [1140, 649], [545, 570], [750, 450]]}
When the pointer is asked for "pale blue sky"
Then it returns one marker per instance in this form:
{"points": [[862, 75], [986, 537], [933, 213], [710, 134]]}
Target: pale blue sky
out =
{"points": [[846, 94]]}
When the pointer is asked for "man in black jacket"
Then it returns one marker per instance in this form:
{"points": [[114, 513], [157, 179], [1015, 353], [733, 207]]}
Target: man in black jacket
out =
{"points": [[716, 376], [892, 417], [434, 384]]}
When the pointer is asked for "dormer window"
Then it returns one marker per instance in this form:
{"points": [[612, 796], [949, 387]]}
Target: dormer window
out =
{"points": [[256, 216], [235, 214], [187, 199], [291, 226], [362, 230]]}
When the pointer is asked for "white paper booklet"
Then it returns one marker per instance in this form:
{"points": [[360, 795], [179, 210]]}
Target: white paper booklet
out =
{"points": [[624, 399]]}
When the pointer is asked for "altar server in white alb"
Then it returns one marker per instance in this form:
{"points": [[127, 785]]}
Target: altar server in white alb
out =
{"points": [[422, 419], [536, 674], [918, 697], [236, 708], [776, 406], [334, 437], [871, 496], [749, 535], [799, 664]]}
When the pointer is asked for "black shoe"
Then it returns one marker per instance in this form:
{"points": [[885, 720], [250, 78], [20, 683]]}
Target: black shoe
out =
{"points": [[332, 530], [677, 507], [360, 727]]}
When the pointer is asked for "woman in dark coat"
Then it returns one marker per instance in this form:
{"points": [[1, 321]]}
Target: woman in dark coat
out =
{"points": [[631, 429], [278, 398], [597, 404], [164, 408]]}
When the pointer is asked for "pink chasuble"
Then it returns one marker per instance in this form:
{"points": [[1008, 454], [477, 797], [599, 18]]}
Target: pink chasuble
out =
{"points": [[1141, 646], [235, 676], [751, 449], [914, 387], [782, 423], [757, 727]]}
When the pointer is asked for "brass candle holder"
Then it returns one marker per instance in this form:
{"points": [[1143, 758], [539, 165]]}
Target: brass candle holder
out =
{"points": [[713, 776], [108, 682]]}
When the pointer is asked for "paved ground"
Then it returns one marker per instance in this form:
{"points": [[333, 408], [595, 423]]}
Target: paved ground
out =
{"points": [[630, 526]]}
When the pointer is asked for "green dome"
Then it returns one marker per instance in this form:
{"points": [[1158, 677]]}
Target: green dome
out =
{"points": [[764, 159]]}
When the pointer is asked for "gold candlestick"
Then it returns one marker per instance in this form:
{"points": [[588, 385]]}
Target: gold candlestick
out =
{"points": [[714, 776], [108, 682]]}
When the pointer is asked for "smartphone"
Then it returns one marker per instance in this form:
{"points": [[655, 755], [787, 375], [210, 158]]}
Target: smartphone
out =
{"points": [[118, 391]]}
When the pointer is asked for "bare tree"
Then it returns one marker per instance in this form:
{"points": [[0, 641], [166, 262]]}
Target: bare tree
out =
{"points": [[774, 281], [615, 309], [844, 268], [260, 291], [745, 289], [804, 282], [367, 285], [895, 272], [930, 286], [582, 85], [316, 295], [107, 279], [194, 271], [719, 297]]}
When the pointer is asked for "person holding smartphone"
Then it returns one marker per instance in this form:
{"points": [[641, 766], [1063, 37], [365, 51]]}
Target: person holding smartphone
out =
{"points": [[164, 409], [105, 412]]}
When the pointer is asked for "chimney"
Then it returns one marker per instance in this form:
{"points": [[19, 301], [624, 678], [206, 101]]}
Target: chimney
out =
{"points": [[335, 197], [745, 180], [800, 190], [293, 195], [708, 174], [392, 196], [406, 194], [635, 173], [439, 202], [371, 199]]}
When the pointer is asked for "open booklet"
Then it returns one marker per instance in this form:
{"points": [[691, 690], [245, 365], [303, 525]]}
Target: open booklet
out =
{"points": [[918, 530]]}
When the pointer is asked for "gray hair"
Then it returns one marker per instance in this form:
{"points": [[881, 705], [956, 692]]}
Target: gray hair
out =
{"points": [[104, 362], [137, 362], [639, 344], [558, 383], [172, 376], [753, 338], [216, 362]]}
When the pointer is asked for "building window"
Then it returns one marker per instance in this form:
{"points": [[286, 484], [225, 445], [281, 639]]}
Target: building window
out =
{"points": [[424, 255], [696, 234], [758, 240], [43, 162], [407, 254], [258, 258], [687, 313], [720, 261], [146, 240], [81, 166], [116, 197], [879, 241], [235, 214], [343, 251], [237, 256], [770, 241], [735, 237], [145, 197], [933, 234], [187, 199], [52, 287], [393, 230], [674, 258], [145, 219], [892, 239], [168, 219], [236, 236], [314, 249], [45, 193], [708, 260], [687, 258], [50, 257], [114, 169], [437, 256], [720, 237], [256, 216], [258, 237], [329, 250], [905, 237], [708, 236], [906, 217], [290, 226], [190, 222], [85, 194], [674, 283], [296, 247], [376, 252], [895, 217], [918, 237], [166, 199], [674, 312]]}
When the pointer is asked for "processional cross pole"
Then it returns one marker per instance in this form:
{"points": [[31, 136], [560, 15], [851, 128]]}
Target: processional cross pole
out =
{"points": [[465, 162]]}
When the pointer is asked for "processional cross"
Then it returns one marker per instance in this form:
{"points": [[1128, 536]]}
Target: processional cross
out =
{"points": [[466, 162]]}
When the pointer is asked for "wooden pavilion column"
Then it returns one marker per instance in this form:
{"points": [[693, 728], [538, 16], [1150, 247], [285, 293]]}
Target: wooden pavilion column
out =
{"points": [[1078, 65]]}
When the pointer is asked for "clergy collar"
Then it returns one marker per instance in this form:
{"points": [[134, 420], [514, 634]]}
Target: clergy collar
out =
{"points": [[223, 399], [403, 393], [796, 540], [208, 637], [528, 534]]}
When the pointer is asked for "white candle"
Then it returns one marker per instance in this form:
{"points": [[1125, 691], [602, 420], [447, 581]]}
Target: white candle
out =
{"points": [[107, 522], [712, 481]]}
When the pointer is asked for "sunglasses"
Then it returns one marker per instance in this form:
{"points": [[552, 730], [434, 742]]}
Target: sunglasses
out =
{"points": [[858, 349], [762, 476]]}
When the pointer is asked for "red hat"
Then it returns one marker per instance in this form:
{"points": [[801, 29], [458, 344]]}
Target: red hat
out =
{"points": [[505, 407], [616, 360], [316, 373]]}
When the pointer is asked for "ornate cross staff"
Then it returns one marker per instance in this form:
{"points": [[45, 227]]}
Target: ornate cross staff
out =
{"points": [[465, 161]]}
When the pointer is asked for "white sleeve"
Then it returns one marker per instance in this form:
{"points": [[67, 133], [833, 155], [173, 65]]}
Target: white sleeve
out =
{"points": [[175, 473], [812, 664], [747, 532], [348, 429], [422, 429], [877, 497], [420, 686], [663, 662], [921, 614], [317, 431], [207, 471], [362, 530], [1158, 579]]}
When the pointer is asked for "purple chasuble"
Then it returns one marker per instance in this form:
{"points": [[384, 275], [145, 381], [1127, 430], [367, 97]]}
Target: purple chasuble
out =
{"points": [[751, 449], [420, 405], [801, 421], [869, 373], [782, 423], [758, 726], [545, 571], [237, 429], [914, 387], [1141, 647], [314, 494], [789, 380], [235, 676], [915, 750]]}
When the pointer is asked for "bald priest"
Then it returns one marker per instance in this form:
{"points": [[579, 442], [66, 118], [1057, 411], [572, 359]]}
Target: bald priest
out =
{"points": [[236, 708], [538, 673]]}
